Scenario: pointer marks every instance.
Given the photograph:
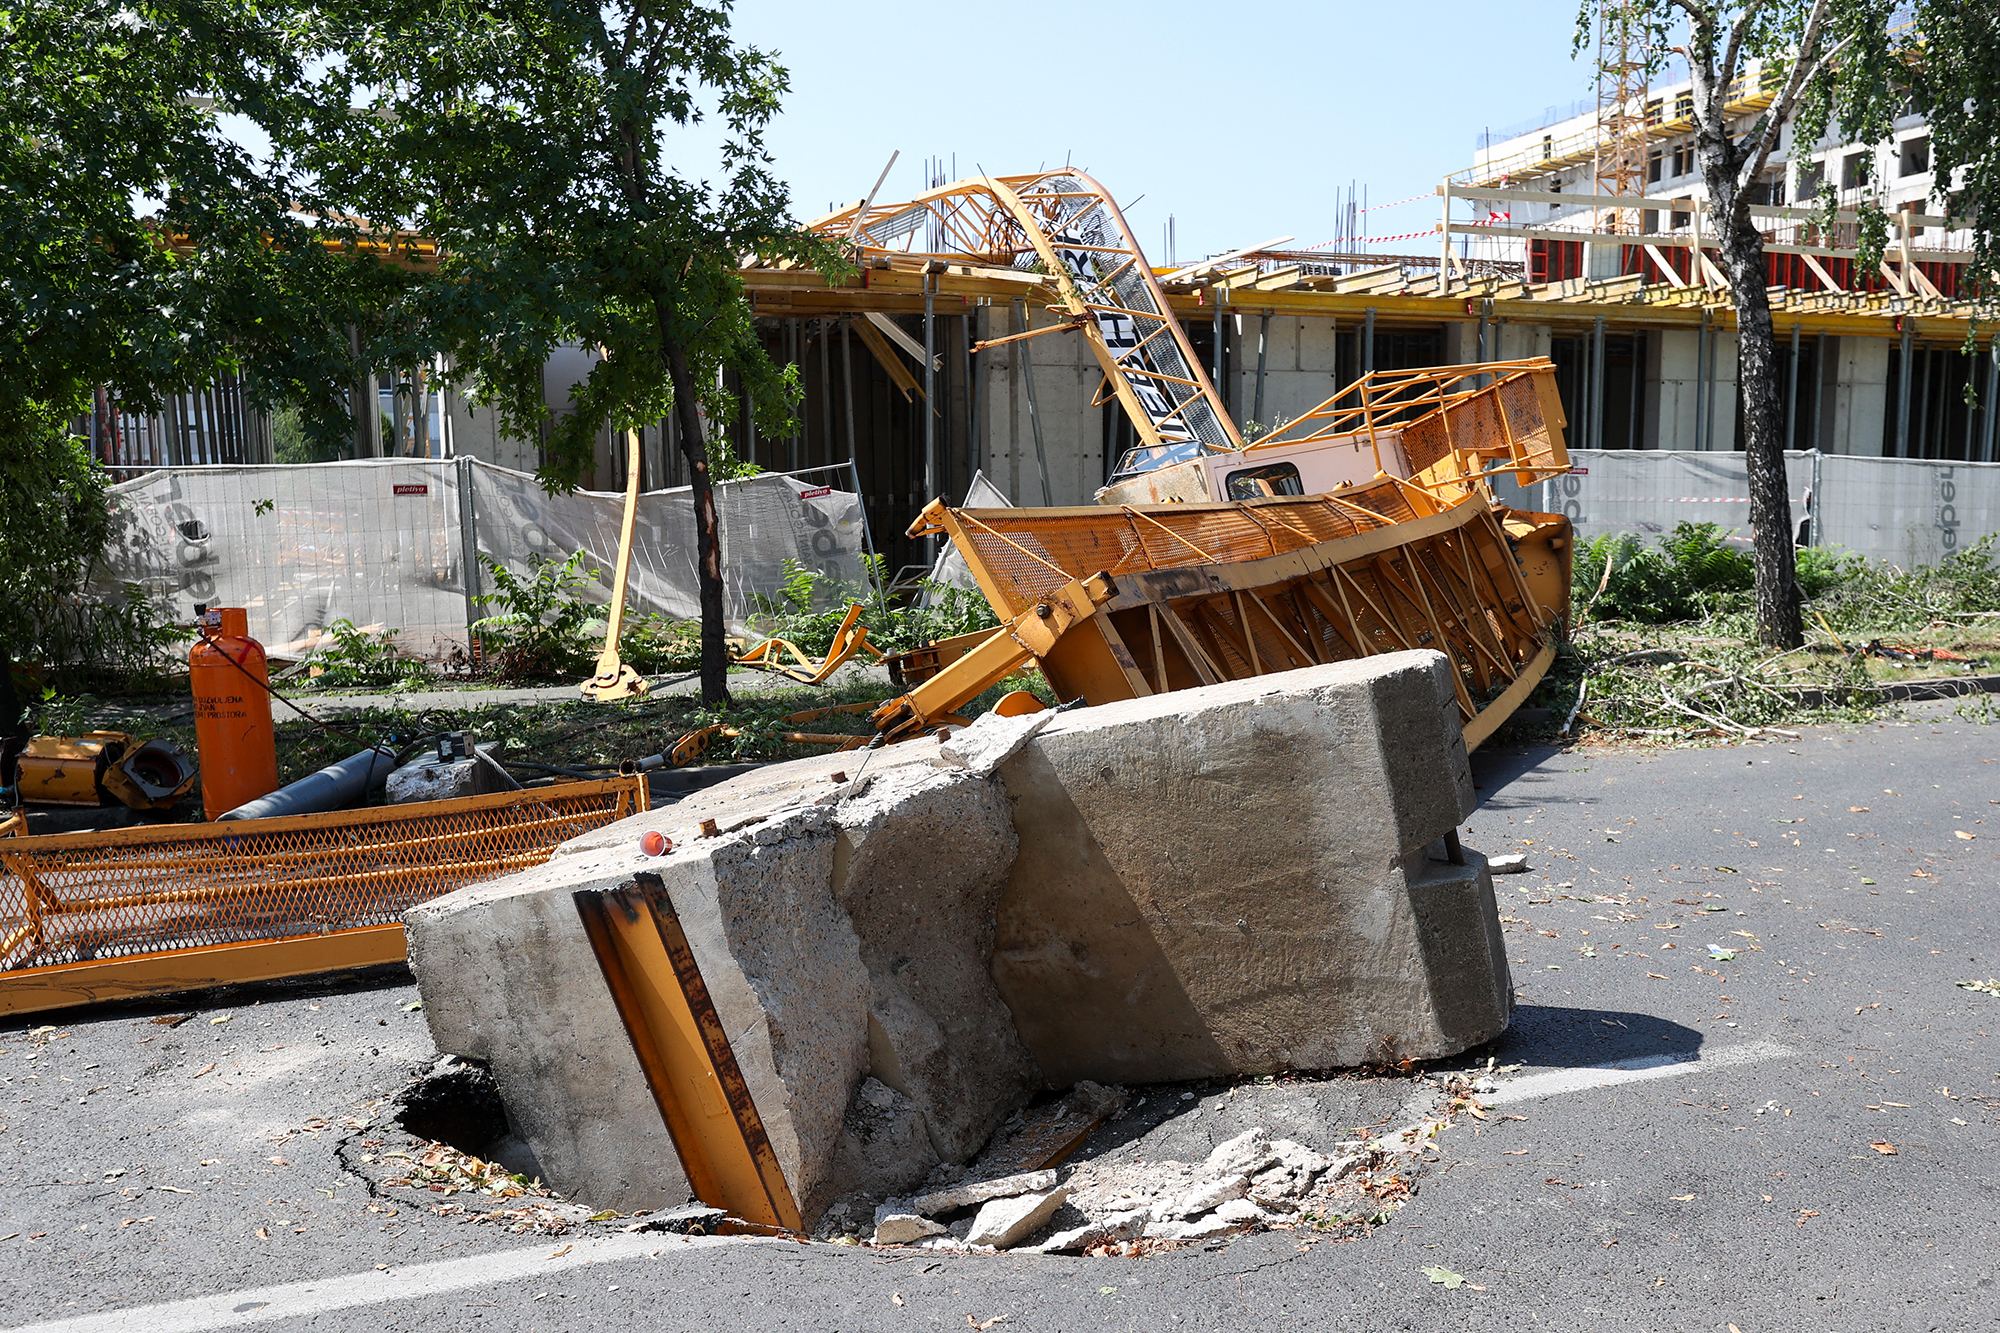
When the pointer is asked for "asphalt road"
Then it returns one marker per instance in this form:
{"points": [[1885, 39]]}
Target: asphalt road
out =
{"points": [[1690, 1141]]}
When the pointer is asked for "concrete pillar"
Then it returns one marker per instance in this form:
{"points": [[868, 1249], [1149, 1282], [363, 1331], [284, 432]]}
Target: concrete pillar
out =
{"points": [[1066, 376], [1517, 342], [1721, 407], [1461, 342], [1298, 367], [1856, 395]]}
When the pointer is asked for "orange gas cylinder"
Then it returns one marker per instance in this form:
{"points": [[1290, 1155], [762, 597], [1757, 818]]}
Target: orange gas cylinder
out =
{"points": [[232, 713]]}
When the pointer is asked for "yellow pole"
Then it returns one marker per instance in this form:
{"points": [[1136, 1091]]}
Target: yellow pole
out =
{"points": [[615, 680]]}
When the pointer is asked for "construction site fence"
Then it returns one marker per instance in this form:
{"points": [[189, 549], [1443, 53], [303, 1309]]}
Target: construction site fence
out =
{"points": [[1909, 512], [394, 544]]}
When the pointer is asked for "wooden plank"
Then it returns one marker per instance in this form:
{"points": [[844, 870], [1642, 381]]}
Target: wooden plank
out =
{"points": [[886, 357]]}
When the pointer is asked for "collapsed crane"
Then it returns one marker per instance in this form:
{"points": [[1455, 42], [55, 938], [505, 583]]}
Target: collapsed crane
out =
{"points": [[1367, 525]]}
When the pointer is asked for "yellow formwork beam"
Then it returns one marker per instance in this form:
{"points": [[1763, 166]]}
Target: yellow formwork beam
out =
{"points": [[685, 1053]]}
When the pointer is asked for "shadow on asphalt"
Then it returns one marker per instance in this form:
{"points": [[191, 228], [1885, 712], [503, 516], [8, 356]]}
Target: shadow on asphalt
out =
{"points": [[1512, 779], [381, 976], [1553, 1037]]}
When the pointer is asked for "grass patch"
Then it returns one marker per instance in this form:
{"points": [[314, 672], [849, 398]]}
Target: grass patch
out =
{"points": [[1663, 647]]}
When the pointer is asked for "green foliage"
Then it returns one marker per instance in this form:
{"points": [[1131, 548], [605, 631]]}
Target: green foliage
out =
{"points": [[116, 641], [291, 442], [534, 143], [1872, 598], [142, 246], [540, 632], [53, 522], [654, 644], [359, 657], [808, 605], [58, 714], [1691, 573]]}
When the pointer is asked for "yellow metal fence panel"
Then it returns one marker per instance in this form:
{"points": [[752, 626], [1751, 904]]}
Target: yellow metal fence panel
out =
{"points": [[81, 900]]}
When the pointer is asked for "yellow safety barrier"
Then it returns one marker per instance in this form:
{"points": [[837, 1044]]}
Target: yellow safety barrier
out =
{"points": [[101, 916]]}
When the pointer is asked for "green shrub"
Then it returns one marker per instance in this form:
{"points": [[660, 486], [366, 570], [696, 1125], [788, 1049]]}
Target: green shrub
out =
{"points": [[1692, 573], [359, 658], [116, 642], [808, 607], [654, 644], [542, 632]]}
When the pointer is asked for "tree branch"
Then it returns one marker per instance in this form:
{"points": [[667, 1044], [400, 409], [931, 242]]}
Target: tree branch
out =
{"points": [[1736, 35], [1764, 138]]}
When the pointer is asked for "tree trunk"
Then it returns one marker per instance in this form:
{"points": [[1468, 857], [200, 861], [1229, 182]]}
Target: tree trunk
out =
{"points": [[1779, 622], [708, 537]]}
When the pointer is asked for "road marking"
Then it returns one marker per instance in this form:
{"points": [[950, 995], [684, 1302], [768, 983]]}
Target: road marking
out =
{"points": [[1673, 1064], [345, 1291]]}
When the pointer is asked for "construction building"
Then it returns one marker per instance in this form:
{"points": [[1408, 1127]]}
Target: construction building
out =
{"points": [[1587, 240]]}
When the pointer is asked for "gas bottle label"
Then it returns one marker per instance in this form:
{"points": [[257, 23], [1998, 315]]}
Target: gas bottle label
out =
{"points": [[211, 620]]}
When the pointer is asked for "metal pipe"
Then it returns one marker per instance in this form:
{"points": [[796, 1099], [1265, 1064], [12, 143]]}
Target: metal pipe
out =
{"points": [[931, 478], [1700, 377], [826, 389], [1819, 386], [1263, 345], [1987, 454], [332, 788], [1215, 299], [1021, 320], [1368, 341], [847, 389], [1903, 396], [1971, 409], [1792, 395], [971, 450], [1597, 384], [794, 358], [1635, 389], [1920, 438], [1714, 385]]}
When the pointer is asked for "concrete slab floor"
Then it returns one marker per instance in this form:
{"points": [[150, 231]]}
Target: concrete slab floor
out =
{"points": [[1697, 1148]]}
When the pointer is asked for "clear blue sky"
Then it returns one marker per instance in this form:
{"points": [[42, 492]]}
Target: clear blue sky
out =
{"points": [[1242, 119]]}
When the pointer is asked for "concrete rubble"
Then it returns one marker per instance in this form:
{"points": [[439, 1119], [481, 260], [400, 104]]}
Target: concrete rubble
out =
{"points": [[906, 946]]}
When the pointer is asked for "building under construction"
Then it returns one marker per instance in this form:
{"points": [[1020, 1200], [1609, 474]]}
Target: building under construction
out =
{"points": [[1585, 240]]}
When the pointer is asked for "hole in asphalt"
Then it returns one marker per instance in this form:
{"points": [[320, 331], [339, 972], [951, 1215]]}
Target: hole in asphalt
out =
{"points": [[459, 1107]]}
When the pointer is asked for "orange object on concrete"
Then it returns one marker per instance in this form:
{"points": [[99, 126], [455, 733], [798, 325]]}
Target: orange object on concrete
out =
{"points": [[232, 713]]}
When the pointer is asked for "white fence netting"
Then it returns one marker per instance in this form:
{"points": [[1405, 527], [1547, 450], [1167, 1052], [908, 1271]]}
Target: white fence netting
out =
{"points": [[1906, 511], [383, 543]]}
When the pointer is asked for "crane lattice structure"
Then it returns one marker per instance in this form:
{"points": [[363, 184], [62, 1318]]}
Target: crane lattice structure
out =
{"points": [[1066, 226], [1624, 60]]}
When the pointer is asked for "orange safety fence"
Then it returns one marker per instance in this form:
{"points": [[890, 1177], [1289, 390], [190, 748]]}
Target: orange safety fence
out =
{"points": [[89, 916]]}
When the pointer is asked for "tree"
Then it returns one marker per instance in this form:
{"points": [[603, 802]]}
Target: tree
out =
{"points": [[108, 102], [1827, 63], [532, 142]]}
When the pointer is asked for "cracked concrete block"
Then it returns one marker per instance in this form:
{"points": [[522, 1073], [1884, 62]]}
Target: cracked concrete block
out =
{"points": [[1006, 1222], [1232, 880], [886, 1148], [980, 1191], [1117, 1227], [1209, 1194], [894, 1228], [508, 976], [922, 856]]}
